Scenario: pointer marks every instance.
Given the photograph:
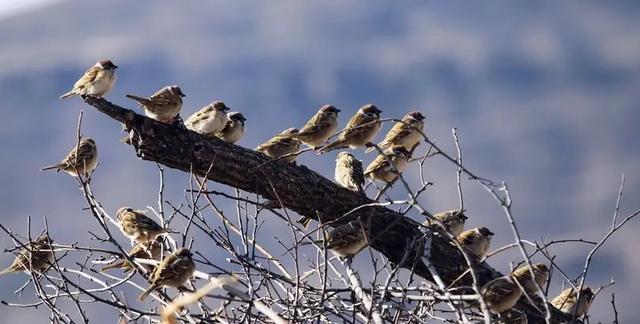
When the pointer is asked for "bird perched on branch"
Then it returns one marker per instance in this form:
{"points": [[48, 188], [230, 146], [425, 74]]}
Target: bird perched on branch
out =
{"points": [[209, 120], [233, 129], [501, 294], [349, 173], [348, 239], [523, 274], [96, 81], [380, 169], [174, 270], [164, 105], [137, 226], [567, 301], [360, 130], [82, 159], [453, 221], [280, 145], [320, 127], [476, 240], [149, 250], [405, 133], [34, 257]]}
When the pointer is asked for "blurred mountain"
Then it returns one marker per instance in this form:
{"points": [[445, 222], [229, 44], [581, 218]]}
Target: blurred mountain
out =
{"points": [[544, 95]]}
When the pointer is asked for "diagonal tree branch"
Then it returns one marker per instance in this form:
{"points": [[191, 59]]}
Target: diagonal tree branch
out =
{"points": [[298, 188]]}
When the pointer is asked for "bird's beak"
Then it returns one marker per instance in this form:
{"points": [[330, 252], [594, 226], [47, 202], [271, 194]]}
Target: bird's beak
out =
{"points": [[338, 110]]}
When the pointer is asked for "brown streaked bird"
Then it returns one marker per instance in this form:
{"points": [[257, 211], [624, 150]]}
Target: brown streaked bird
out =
{"points": [[405, 133], [566, 301], [349, 173], [83, 159], [97, 81], [453, 221], [149, 250], [281, 144], [320, 127], [477, 241], [209, 120], [234, 128], [360, 130], [523, 275], [348, 239], [164, 105], [380, 169], [35, 257], [137, 226], [174, 270], [501, 294]]}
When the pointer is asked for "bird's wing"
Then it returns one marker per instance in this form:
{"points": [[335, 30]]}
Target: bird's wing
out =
{"points": [[355, 126], [145, 223], [466, 238], [88, 77], [314, 125], [397, 133], [198, 117], [358, 173], [499, 289], [278, 141], [342, 237], [379, 163]]}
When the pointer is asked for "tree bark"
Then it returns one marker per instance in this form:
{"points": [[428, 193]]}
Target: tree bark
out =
{"points": [[296, 187]]}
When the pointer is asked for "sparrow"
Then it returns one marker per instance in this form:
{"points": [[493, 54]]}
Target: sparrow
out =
{"points": [[406, 133], [360, 130], [320, 127], [566, 301], [35, 257], [380, 169], [164, 105], [208, 120], [174, 270], [347, 240], [281, 144], [476, 241], [523, 275], [149, 250], [96, 81], [501, 294], [233, 129], [83, 159], [349, 172], [137, 226], [453, 221]]}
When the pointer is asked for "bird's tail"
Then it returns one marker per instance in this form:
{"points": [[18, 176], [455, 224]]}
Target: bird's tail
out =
{"points": [[331, 146], [304, 220], [51, 167], [68, 94], [361, 191], [310, 242], [117, 264], [147, 292], [140, 100]]}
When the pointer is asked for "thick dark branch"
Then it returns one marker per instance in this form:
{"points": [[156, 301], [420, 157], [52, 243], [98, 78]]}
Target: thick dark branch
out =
{"points": [[298, 188]]}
